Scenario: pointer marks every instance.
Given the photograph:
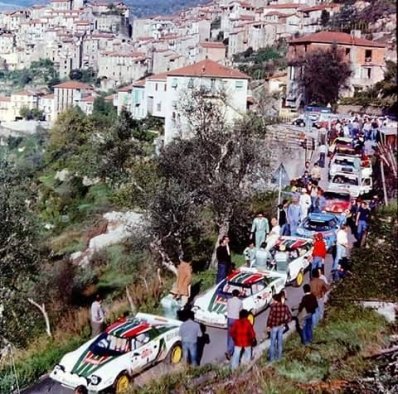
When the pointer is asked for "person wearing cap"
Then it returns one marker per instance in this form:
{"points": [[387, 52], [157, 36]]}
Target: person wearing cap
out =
{"points": [[305, 203]]}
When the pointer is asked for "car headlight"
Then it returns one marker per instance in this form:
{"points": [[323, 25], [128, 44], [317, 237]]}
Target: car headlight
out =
{"points": [[59, 368], [95, 380]]}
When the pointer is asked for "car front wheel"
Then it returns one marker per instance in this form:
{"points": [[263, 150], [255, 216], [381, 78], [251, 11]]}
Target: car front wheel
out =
{"points": [[175, 354], [299, 279], [122, 383]]}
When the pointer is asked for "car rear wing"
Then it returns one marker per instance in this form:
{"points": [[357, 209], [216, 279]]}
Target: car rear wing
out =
{"points": [[156, 320]]}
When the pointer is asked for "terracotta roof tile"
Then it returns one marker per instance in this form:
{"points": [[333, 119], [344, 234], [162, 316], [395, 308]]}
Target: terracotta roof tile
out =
{"points": [[208, 68], [73, 85], [158, 77], [212, 44], [330, 37]]}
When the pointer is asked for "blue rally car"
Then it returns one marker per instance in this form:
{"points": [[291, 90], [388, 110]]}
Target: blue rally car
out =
{"points": [[324, 223]]}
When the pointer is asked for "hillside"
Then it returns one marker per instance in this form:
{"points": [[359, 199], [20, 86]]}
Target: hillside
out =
{"points": [[143, 8]]}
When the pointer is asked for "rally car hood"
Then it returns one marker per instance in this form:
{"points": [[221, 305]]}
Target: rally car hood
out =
{"points": [[337, 206], [213, 300]]}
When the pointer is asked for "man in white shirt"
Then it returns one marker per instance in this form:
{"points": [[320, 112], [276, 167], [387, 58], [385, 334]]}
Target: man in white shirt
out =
{"points": [[274, 234], [234, 306], [97, 316], [341, 247], [305, 204]]}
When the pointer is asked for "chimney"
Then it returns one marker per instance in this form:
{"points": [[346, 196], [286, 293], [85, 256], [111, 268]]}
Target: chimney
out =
{"points": [[356, 33]]}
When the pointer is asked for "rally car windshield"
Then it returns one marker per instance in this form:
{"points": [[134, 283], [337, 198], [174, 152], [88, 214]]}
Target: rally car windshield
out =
{"points": [[314, 225], [110, 345], [337, 196]]}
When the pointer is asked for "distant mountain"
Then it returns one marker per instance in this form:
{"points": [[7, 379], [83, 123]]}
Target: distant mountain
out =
{"points": [[15, 4]]}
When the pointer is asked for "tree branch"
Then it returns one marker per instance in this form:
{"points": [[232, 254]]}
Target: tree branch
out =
{"points": [[42, 309]]}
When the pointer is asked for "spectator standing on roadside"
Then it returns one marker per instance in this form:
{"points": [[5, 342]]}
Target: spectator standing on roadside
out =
{"points": [[223, 259], [313, 190], [306, 309], [319, 251], [362, 221], [244, 338], [184, 279], [318, 288], [305, 204], [354, 211], [279, 316], [293, 215], [374, 204], [316, 173], [341, 247], [320, 202], [234, 306], [322, 155], [260, 229], [274, 234], [250, 254], [97, 316], [189, 333], [261, 256], [282, 217]]}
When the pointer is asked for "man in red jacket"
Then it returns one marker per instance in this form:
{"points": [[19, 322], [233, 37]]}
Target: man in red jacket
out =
{"points": [[244, 337], [319, 252]]}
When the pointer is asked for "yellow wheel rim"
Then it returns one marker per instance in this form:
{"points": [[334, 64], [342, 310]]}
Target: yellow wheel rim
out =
{"points": [[176, 355], [300, 278], [251, 318], [122, 384]]}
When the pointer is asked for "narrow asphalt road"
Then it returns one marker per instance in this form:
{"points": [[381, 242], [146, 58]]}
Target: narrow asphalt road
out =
{"points": [[214, 352]]}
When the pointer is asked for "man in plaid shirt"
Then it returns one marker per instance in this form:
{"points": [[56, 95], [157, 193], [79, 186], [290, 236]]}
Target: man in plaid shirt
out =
{"points": [[278, 317]]}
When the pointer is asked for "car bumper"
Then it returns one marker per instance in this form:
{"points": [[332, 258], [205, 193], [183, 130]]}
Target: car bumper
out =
{"points": [[71, 381], [211, 319]]}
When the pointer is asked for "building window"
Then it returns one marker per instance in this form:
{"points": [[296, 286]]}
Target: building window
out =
{"points": [[213, 84], [156, 87], [368, 55], [239, 85], [190, 83], [347, 51], [165, 87], [174, 83], [158, 107]]}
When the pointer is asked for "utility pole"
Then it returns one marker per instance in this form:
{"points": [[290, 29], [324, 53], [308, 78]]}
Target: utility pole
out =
{"points": [[279, 190]]}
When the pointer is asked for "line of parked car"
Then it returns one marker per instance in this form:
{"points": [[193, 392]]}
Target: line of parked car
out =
{"points": [[130, 345]]}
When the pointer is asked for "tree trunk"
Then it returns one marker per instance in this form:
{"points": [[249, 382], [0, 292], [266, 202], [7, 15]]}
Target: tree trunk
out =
{"points": [[166, 261], [223, 230]]}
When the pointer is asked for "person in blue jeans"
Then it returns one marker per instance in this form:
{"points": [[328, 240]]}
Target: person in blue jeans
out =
{"points": [[362, 221], [307, 308], [234, 306], [223, 254], [189, 333], [278, 317]]}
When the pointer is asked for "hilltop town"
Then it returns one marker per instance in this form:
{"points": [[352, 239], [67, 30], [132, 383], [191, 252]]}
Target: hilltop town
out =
{"points": [[143, 63]]}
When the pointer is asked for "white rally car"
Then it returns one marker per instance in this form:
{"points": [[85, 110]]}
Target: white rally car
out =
{"points": [[255, 287], [291, 257], [125, 348]]}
